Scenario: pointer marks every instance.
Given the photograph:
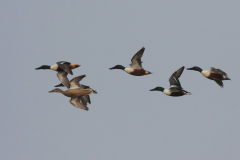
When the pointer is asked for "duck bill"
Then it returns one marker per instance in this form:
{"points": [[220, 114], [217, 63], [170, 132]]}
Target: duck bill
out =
{"points": [[190, 69], [51, 91], [152, 89], [38, 68], [113, 68]]}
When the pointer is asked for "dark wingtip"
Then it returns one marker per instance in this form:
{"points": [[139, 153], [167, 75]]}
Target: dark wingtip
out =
{"points": [[59, 85]]}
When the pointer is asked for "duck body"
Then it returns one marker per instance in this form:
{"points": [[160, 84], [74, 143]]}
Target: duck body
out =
{"points": [[56, 67], [77, 92], [176, 93], [136, 72], [214, 74], [136, 66]]}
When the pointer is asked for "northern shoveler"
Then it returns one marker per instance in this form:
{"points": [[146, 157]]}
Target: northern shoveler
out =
{"points": [[86, 98], [214, 74], [136, 66], [175, 85], [63, 68], [77, 93]]}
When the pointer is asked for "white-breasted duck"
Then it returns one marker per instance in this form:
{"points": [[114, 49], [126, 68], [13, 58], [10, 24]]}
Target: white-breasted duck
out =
{"points": [[214, 74], [175, 85], [63, 68], [136, 66]]}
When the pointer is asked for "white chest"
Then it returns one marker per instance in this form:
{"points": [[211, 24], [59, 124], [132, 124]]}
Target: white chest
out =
{"points": [[205, 73], [54, 67], [128, 70], [167, 92]]}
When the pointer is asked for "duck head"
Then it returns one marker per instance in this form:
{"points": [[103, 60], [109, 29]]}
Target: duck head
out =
{"points": [[43, 67], [84, 87], [195, 68], [157, 89], [118, 67]]}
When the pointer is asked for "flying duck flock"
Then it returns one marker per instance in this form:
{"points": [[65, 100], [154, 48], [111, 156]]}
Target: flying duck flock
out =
{"points": [[79, 93]]}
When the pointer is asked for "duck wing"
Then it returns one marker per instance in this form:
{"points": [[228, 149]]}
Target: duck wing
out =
{"points": [[86, 98], [177, 73], [74, 83], [218, 71], [75, 101], [219, 82], [65, 66], [62, 76], [136, 59], [175, 84]]}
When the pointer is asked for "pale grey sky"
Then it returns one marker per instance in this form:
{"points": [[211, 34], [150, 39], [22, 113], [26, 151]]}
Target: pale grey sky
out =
{"points": [[125, 120]]}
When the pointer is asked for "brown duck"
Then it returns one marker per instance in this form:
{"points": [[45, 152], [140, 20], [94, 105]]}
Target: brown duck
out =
{"points": [[76, 92]]}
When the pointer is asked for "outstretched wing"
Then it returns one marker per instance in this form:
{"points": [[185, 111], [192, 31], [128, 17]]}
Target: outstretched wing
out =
{"points": [[219, 82], [76, 102], [175, 84], [177, 73], [218, 71], [74, 83], [65, 66], [136, 59], [174, 77], [62, 76]]}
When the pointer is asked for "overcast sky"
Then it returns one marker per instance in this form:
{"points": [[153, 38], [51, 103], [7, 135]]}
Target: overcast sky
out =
{"points": [[125, 120]]}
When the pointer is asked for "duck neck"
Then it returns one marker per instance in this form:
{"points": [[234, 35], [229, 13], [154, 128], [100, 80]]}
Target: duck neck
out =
{"points": [[60, 91], [198, 69], [46, 67], [121, 67]]}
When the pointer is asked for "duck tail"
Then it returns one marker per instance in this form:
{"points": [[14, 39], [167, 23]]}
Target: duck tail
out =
{"points": [[149, 72], [187, 93]]}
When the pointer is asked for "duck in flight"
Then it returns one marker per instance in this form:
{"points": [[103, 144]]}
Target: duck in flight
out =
{"points": [[175, 85], [84, 99], [77, 93], [214, 74], [136, 66], [63, 68]]}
